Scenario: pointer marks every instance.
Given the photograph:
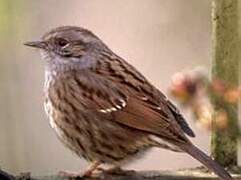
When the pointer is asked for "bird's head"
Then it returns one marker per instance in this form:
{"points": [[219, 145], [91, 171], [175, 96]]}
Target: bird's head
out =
{"points": [[68, 45]]}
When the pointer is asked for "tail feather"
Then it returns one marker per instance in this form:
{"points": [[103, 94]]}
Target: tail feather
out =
{"points": [[207, 161]]}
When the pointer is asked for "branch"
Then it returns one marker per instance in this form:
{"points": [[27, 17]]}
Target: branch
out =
{"points": [[188, 174]]}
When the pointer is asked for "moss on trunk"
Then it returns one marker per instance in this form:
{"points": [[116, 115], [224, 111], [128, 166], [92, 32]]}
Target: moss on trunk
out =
{"points": [[225, 66]]}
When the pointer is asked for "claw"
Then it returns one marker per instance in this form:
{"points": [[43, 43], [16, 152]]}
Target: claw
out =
{"points": [[88, 173]]}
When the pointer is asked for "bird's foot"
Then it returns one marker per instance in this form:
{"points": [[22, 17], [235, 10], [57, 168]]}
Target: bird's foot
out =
{"points": [[89, 173]]}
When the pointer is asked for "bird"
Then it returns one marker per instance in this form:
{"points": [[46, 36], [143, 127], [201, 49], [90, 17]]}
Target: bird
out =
{"points": [[103, 109]]}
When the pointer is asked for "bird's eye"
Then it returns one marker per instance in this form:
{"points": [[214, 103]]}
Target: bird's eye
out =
{"points": [[61, 42]]}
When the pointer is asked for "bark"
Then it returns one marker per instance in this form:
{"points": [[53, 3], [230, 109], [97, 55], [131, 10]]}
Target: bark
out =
{"points": [[188, 174], [226, 66]]}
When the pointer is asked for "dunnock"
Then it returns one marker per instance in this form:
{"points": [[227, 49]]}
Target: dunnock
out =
{"points": [[105, 110]]}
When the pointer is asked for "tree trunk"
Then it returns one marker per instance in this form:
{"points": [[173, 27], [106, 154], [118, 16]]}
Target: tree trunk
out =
{"points": [[225, 66]]}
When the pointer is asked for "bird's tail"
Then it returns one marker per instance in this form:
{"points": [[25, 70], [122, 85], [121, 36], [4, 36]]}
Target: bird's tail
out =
{"points": [[207, 161]]}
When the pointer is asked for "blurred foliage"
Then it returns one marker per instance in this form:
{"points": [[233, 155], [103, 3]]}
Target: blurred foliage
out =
{"points": [[194, 90], [11, 16], [4, 16]]}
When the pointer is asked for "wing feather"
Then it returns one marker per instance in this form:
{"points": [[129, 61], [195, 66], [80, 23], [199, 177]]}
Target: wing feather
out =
{"points": [[132, 110]]}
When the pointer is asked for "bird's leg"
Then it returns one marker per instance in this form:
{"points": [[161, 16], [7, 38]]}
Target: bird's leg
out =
{"points": [[92, 168], [87, 173]]}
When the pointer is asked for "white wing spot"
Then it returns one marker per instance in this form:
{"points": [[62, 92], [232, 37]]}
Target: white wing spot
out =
{"points": [[113, 109], [118, 107], [158, 107], [123, 103], [144, 98]]}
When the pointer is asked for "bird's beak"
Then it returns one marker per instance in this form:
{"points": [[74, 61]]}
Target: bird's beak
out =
{"points": [[36, 44]]}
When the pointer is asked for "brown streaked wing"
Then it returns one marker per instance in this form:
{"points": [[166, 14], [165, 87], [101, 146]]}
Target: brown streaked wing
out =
{"points": [[114, 102], [95, 93], [135, 84], [138, 114]]}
